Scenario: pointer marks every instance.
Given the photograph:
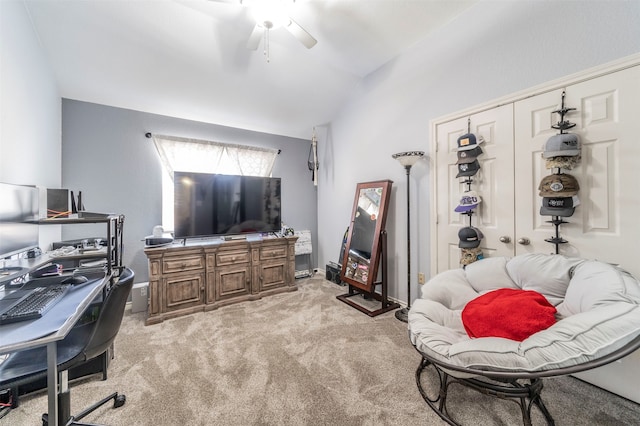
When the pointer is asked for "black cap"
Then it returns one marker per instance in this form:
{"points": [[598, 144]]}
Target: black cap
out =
{"points": [[468, 169], [470, 237]]}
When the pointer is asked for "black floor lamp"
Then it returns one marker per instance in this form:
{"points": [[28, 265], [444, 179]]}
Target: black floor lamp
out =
{"points": [[407, 159]]}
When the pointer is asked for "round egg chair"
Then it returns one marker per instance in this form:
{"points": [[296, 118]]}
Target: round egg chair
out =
{"points": [[502, 325]]}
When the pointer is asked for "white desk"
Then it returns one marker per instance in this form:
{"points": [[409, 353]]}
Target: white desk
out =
{"points": [[48, 330]]}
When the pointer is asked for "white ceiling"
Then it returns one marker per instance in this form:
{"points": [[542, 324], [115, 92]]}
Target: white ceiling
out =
{"points": [[188, 58]]}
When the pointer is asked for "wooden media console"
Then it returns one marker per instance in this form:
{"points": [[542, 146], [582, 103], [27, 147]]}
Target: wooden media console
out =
{"points": [[200, 277]]}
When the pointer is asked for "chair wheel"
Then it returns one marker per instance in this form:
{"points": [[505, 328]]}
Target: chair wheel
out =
{"points": [[119, 401]]}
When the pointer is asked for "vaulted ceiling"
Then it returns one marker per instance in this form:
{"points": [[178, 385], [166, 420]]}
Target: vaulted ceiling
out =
{"points": [[189, 58]]}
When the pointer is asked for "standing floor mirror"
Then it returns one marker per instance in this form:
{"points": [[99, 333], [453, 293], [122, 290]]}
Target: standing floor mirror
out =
{"points": [[366, 248]]}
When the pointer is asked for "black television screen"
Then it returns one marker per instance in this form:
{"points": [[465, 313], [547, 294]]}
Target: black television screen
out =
{"points": [[215, 204]]}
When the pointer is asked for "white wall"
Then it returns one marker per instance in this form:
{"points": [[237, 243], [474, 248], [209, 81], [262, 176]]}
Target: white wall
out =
{"points": [[30, 111], [494, 49]]}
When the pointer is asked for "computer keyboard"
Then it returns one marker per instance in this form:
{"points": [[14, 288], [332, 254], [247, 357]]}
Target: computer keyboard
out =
{"points": [[34, 304]]}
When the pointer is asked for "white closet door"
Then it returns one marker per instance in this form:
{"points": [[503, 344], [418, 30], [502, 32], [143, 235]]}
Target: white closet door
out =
{"points": [[494, 183], [605, 226], [533, 120]]}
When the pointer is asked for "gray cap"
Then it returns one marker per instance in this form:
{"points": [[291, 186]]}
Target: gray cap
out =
{"points": [[562, 145], [467, 156]]}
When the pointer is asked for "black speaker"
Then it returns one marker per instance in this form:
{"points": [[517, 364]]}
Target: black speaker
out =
{"points": [[333, 273]]}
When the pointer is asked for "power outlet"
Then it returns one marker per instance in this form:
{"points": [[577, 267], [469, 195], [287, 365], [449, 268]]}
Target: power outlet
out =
{"points": [[420, 277]]}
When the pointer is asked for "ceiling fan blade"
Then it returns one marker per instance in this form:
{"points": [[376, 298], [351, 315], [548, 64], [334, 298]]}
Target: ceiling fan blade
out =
{"points": [[301, 34], [255, 37]]}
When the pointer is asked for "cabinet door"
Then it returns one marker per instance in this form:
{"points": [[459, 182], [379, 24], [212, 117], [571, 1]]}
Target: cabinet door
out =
{"points": [[183, 290], [494, 183], [273, 274], [232, 281]]}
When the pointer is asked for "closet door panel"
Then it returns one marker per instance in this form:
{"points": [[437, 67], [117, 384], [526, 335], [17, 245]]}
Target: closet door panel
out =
{"points": [[606, 223], [533, 120], [494, 183], [448, 190]]}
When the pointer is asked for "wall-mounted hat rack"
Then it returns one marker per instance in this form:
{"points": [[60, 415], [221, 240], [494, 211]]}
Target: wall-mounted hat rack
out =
{"points": [[563, 125]]}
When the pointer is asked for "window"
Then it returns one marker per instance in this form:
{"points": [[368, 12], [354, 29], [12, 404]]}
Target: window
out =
{"points": [[195, 155]]}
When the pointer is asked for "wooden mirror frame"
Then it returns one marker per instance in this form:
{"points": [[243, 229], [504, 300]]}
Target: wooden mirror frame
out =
{"points": [[369, 283]]}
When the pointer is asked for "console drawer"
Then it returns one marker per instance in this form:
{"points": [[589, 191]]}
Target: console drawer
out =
{"points": [[183, 263], [232, 258], [267, 253]]}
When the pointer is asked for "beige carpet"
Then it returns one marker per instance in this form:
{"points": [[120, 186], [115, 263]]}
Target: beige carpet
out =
{"points": [[300, 358]]}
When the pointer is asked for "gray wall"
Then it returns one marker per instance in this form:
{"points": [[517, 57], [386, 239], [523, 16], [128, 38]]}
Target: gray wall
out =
{"points": [[493, 49], [106, 155]]}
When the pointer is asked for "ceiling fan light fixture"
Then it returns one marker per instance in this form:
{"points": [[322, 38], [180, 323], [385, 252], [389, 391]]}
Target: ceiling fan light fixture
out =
{"points": [[270, 14]]}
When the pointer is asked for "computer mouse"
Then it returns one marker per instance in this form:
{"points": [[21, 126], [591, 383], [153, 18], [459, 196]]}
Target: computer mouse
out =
{"points": [[75, 280]]}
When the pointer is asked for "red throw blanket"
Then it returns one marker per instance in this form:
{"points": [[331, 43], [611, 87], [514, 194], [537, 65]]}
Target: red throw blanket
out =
{"points": [[510, 313]]}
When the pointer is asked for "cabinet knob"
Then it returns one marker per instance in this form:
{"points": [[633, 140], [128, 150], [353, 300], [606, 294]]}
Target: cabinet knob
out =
{"points": [[505, 239], [524, 241]]}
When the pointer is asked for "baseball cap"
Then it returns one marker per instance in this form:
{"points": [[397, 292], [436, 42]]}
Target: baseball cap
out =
{"points": [[562, 145], [559, 206], [468, 201], [469, 141], [560, 185], [470, 237], [560, 162], [469, 155], [468, 169]]}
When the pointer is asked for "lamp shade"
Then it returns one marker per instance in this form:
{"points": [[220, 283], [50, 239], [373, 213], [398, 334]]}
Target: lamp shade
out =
{"points": [[409, 158]]}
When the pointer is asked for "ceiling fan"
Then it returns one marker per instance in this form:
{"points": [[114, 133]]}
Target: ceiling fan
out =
{"points": [[270, 15]]}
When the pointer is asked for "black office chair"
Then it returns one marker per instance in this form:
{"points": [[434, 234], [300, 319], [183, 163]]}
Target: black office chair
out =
{"points": [[83, 343]]}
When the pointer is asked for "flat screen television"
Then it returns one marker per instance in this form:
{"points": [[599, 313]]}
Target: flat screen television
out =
{"points": [[19, 212], [215, 204]]}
